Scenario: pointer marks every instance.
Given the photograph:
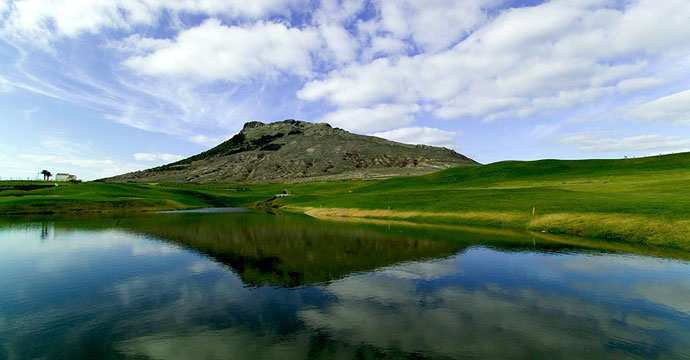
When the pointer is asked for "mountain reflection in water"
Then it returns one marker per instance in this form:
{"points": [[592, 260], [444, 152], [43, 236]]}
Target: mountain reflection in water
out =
{"points": [[251, 285]]}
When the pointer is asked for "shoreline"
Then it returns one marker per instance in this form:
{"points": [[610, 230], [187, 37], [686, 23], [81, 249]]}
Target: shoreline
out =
{"points": [[604, 227]]}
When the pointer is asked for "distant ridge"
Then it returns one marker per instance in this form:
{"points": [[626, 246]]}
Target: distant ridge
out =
{"points": [[298, 151]]}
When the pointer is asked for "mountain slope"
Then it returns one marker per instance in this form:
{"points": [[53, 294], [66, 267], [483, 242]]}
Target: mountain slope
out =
{"points": [[297, 151]]}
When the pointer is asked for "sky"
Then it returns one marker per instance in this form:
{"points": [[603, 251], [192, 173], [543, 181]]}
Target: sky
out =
{"points": [[102, 87]]}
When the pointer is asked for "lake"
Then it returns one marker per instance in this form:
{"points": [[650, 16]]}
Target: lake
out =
{"points": [[253, 285]]}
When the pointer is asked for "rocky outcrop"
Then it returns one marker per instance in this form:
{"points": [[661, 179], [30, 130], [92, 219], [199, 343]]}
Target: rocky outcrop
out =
{"points": [[295, 151]]}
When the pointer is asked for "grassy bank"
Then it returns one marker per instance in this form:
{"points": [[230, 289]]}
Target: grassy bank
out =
{"points": [[21, 198], [643, 201]]}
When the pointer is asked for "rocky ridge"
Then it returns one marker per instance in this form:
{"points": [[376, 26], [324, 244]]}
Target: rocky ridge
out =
{"points": [[297, 151]]}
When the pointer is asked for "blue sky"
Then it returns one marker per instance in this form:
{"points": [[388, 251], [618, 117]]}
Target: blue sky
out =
{"points": [[102, 87]]}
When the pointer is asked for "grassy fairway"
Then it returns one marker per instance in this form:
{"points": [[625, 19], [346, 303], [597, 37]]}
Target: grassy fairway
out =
{"points": [[644, 200], [16, 198]]}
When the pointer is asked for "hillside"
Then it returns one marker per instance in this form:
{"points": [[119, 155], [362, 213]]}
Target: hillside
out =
{"points": [[642, 201], [298, 151]]}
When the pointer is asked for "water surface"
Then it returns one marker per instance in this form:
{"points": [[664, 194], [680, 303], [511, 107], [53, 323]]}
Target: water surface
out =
{"points": [[250, 285]]}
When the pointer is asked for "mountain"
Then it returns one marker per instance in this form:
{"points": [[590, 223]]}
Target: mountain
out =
{"points": [[297, 151]]}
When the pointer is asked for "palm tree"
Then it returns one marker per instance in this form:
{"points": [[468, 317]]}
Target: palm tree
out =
{"points": [[46, 174]]}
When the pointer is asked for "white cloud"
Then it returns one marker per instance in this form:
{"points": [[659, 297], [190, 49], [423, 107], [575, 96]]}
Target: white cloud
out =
{"points": [[384, 45], [433, 25], [454, 59], [204, 140], [29, 112], [136, 44], [674, 108], [379, 117], [393, 18], [358, 85], [213, 51], [331, 19], [598, 143], [420, 135], [339, 41], [639, 83], [525, 61], [43, 20], [157, 157], [5, 85], [165, 105]]}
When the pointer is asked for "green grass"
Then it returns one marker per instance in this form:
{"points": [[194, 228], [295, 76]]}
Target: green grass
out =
{"points": [[657, 185], [645, 200], [108, 197]]}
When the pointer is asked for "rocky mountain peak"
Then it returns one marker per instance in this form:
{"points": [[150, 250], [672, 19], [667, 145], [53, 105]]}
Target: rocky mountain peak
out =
{"points": [[293, 150]]}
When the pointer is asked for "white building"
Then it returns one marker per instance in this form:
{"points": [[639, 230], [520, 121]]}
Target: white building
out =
{"points": [[65, 177]]}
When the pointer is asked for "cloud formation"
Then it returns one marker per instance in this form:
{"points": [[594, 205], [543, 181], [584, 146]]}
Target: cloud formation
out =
{"points": [[212, 51], [197, 70], [379, 117], [5, 85], [420, 135], [45, 20], [527, 60], [652, 144], [157, 157], [673, 108]]}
